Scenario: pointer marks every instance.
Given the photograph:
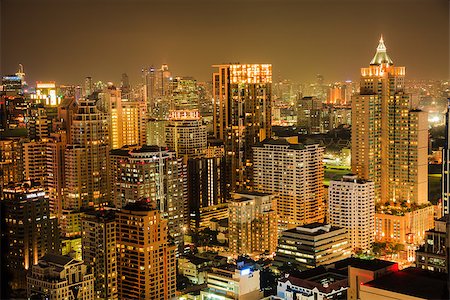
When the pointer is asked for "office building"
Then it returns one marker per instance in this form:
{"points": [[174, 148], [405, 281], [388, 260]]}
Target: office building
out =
{"points": [[186, 134], [86, 164], [145, 258], [446, 165], [28, 230], [351, 205], [38, 125], [98, 242], [252, 223], [155, 174], [242, 108], [389, 136], [312, 245], [433, 254], [293, 172], [57, 277]]}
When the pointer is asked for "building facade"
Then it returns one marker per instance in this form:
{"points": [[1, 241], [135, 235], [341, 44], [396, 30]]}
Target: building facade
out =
{"points": [[98, 242], [29, 231], [389, 137], [152, 173], [58, 277], [351, 205], [252, 223], [293, 172], [312, 245], [145, 258], [242, 111]]}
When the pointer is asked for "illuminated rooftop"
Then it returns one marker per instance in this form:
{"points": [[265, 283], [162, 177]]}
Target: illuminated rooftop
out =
{"points": [[381, 57]]}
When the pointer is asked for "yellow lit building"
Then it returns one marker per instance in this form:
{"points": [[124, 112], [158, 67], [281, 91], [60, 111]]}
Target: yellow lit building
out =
{"points": [[252, 223], [389, 137], [242, 105], [389, 147], [46, 94], [146, 260]]}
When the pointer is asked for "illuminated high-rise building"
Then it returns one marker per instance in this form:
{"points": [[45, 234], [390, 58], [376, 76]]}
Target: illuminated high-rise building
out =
{"points": [[446, 165], [157, 90], [11, 160], [38, 125], [146, 263], [351, 205], [86, 164], [389, 137], [27, 228], [100, 251], [206, 186], [293, 172], [55, 171], [155, 174], [35, 161], [126, 118], [46, 94], [186, 133], [185, 93], [252, 223], [242, 95], [156, 132], [309, 114]]}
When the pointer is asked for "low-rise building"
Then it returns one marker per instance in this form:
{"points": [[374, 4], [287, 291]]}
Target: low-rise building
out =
{"points": [[58, 277], [432, 255], [312, 245], [237, 282]]}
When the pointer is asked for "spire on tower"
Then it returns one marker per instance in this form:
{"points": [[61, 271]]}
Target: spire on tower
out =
{"points": [[381, 56]]}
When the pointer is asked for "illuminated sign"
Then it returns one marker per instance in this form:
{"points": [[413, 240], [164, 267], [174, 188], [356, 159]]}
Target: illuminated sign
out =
{"points": [[245, 272]]}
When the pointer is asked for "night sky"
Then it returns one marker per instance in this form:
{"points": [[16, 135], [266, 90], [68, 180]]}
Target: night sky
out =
{"points": [[67, 40]]}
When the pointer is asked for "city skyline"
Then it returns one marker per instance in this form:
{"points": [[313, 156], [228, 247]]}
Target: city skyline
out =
{"points": [[300, 39]]}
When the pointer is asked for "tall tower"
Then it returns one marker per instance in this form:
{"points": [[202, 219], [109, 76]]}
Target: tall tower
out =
{"points": [[154, 174], [242, 110], [87, 161], [446, 165], [389, 137], [146, 259]]}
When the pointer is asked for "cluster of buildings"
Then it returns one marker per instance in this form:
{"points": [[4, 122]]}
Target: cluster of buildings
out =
{"points": [[114, 192]]}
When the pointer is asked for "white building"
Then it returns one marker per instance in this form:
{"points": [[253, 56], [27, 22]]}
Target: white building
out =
{"points": [[239, 282], [293, 172], [58, 277], [351, 204]]}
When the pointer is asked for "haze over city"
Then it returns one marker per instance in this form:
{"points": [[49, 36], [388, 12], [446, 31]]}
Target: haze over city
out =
{"points": [[68, 40]]}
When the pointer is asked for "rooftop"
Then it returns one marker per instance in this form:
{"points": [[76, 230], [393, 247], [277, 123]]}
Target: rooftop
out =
{"points": [[414, 282], [381, 56], [365, 264], [314, 229]]}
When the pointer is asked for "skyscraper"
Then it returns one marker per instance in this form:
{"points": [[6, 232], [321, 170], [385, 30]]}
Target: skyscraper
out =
{"points": [[154, 174], [252, 223], [87, 162], [293, 172], [146, 259], [389, 136], [185, 94], [351, 205], [28, 229], [446, 165], [242, 110]]}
